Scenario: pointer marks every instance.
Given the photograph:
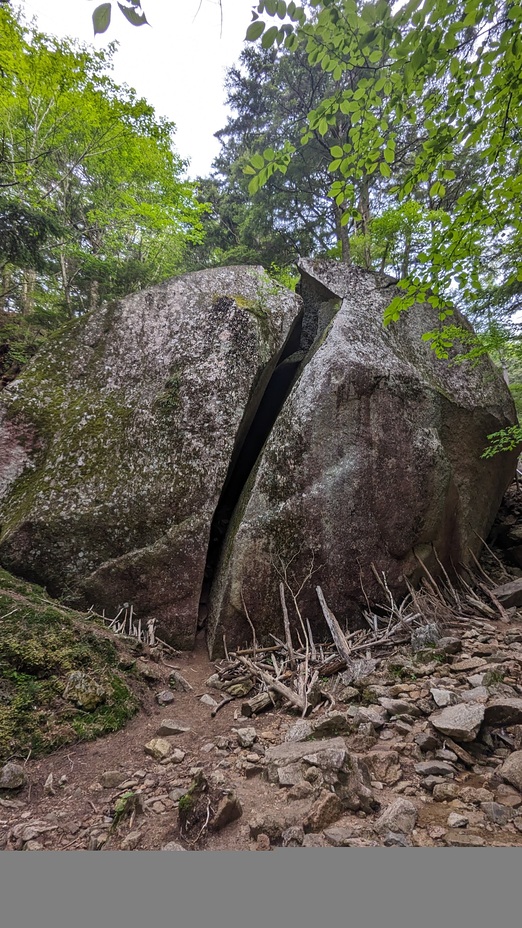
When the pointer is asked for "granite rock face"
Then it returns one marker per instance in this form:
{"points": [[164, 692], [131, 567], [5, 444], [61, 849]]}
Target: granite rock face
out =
{"points": [[116, 441], [374, 459]]}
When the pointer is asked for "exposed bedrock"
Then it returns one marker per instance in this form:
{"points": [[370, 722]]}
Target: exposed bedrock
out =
{"points": [[374, 459], [116, 440]]}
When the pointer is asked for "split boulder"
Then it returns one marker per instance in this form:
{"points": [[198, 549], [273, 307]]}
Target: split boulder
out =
{"points": [[117, 438], [374, 461]]}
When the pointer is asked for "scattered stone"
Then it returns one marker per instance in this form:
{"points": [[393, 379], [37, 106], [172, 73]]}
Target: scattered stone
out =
{"points": [[177, 756], [449, 645], [396, 839], [427, 741], [169, 727], [83, 691], [110, 779], [158, 748], [436, 832], [511, 770], [301, 791], [33, 846], [329, 725], [12, 776], [463, 839], [425, 636], [503, 711], [461, 722], [165, 698], [507, 796], [475, 795], [326, 809], [229, 809], [435, 768], [208, 701], [246, 737], [48, 788], [497, 813], [377, 715], [400, 816], [340, 835], [467, 664], [131, 841], [456, 820], [273, 822], [263, 843], [445, 792], [399, 707], [173, 846], [301, 731], [442, 698], [177, 682], [313, 840], [509, 594], [384, 766], [293, 836], [476, 694]]}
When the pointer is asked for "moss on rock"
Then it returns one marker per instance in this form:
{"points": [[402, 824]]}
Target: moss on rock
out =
{"points": [[43, 646]]}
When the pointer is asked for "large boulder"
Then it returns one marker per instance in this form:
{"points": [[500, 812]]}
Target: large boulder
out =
{"points": [[116, 441], [373, 462]]}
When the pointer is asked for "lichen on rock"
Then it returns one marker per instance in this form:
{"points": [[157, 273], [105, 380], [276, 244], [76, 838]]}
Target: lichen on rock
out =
{"points": [[117, 439]]}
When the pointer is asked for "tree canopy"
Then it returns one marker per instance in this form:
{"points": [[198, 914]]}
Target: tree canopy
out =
{"points": [[93, 200], [453, 72]]}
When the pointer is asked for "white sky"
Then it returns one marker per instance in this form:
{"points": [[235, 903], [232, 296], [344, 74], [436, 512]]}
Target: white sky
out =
{"points": [[177, 63]]}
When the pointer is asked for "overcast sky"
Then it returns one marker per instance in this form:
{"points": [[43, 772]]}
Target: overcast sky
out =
{"points": [[177, 63]]}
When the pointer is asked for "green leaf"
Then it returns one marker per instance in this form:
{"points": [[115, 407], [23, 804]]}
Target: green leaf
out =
{"points": [[101, 18], [269, 37], [336, 151], [257, 161], [281, 9], [385, 169], [269, 154], [254, 30], [132, 15]]}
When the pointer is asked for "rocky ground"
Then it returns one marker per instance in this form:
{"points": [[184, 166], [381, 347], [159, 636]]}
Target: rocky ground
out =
{"points": [[426, 750]]}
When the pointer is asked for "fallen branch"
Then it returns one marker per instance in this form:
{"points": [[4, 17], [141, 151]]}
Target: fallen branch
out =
{"points": [[337, 633], [223, 702], [291, 697], [286, 623]]}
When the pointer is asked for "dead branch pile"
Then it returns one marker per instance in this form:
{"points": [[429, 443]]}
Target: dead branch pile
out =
{"points": [[293, 671]]}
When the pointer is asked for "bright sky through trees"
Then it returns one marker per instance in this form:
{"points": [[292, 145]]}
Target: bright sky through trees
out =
{"points": [[178, 63]]}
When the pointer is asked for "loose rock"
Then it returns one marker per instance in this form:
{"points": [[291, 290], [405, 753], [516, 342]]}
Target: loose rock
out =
{"points": [[12, 776], [400, 816], [461, 722]]}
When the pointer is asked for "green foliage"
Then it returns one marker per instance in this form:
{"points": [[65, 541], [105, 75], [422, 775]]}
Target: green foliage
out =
{"points": [[132, 11], [505, 440], [94, 202], [452, 72], [41, 643]]}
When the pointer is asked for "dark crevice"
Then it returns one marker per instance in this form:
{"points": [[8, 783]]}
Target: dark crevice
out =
{"points": [[258, 421], [261, 415]]}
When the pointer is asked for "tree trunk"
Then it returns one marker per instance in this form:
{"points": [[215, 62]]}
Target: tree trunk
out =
{"points": [[66, 284], [6, 288], [28, 282], [342, 235], [405, 263], [364, 209], [94, 294]]}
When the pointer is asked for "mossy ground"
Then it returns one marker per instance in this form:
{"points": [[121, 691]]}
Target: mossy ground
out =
{"points": [[41, 643]]}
